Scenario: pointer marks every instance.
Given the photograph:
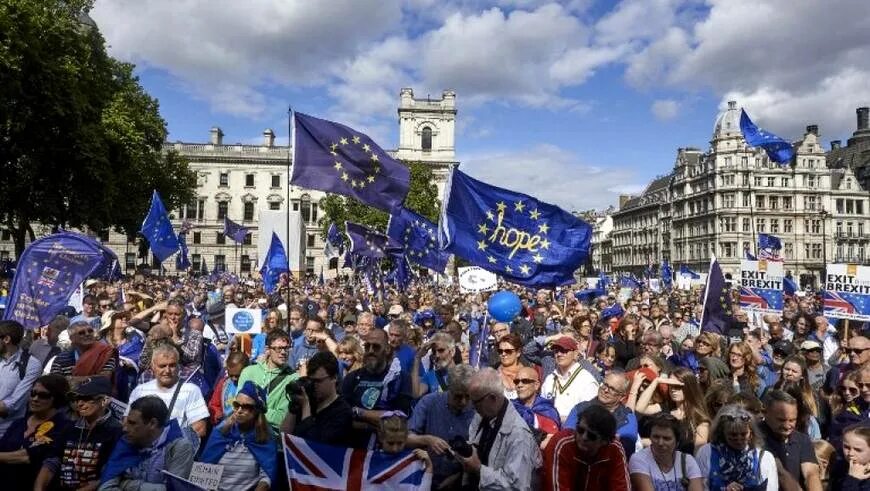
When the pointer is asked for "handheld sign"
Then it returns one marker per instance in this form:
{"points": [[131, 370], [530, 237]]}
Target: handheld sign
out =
{"points": [[206, 476], [244, 321], [473, 279]]}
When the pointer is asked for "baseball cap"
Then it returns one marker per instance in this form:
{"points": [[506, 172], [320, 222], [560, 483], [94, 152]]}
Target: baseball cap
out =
{"points": [[94, 386], [810, 345], [566, 343], [783, 348]]}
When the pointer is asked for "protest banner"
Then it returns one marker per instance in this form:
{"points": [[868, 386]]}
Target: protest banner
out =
{"points": [[846, 291], [474, 279], [760, 286]]}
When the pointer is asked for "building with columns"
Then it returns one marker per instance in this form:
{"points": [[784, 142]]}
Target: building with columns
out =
{"points": [[239, 180], [719, 200]]}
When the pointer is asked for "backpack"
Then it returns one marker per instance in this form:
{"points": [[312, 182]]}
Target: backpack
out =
{"points": [[21, 364]]}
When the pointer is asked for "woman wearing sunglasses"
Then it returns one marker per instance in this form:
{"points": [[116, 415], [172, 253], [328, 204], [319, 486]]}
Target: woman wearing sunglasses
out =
{"points": [[735, 459], [30, 440], [243, 444], [85, 447]]}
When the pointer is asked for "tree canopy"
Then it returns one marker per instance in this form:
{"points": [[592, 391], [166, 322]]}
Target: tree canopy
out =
{"points": [[81, 142]]}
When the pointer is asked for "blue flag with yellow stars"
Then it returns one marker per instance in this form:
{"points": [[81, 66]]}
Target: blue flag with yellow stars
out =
{"points": [[182, 261], [274, 264], [48, 273], [419, 238], [365, 242], [334, 158], [779, 150], [715, 318], [524, 240], [158, 230]]}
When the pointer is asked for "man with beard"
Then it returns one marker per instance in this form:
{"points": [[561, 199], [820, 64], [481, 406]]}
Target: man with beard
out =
{"points": [[438, 419], [375, 388], [440, 350]]}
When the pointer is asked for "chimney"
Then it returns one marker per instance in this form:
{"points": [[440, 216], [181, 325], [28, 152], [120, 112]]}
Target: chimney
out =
{"points": [[217, 136], [623, 199], [732, 104], [813, 128], [863, 116], [835, 144], [268, 137]]}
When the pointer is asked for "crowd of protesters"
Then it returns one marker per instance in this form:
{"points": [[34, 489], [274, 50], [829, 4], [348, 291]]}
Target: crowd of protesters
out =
{"points": [[616, 392]]}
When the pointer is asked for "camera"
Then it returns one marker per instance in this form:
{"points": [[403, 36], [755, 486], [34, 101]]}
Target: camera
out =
{"points": [[300, 386], [460, 447]]}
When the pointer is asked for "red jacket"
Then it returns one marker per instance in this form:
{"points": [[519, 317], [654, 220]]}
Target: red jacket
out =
{"points": [[565, 470], [216, 403]]}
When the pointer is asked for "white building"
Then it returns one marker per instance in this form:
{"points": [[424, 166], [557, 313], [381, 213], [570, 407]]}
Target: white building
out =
{"points": [[601, 228], [236, 181]]}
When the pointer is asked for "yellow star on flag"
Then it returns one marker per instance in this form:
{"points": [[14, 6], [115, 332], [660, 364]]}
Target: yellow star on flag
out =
{"points": [[545, 244], [508, 269], [366, 147], [483, 229], [490, 215], [518, 206], [343, 141], [356, 139], [491, 259], [371, 178], [501, 206], [337, 165], [537, 258], [535, 214], [543, 228], [524, 269], [344, 176], [333, 147], [481, 245], [374, 157]]}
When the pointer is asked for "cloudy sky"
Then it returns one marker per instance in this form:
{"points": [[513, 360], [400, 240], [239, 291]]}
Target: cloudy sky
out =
{"points": [[572, 101]]}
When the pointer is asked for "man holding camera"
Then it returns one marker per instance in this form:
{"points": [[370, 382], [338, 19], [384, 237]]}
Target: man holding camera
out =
{"points": [[273, 375], [321, 415]]}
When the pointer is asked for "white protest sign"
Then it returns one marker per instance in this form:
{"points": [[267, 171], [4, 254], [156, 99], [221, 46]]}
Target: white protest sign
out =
{"points": [[118, 408], [473, 279], [243, 321], [206, 476]]}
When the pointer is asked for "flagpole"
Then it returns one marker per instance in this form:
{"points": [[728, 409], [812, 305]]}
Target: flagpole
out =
{"points": [[237, 258], [706, 292], [290, 150]]}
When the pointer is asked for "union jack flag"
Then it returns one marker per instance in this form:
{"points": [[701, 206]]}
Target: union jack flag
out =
{"points": [[313, 466], [770, 255], [749, 298], [834, 302]]}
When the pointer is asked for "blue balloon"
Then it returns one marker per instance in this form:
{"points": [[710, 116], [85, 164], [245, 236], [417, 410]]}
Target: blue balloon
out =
{"points": [[504, 306]]}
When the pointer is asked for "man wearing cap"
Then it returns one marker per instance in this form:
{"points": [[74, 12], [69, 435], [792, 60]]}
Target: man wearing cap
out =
{"points": [[816, 368], [84, 447], [569, 384], [781, 351]]}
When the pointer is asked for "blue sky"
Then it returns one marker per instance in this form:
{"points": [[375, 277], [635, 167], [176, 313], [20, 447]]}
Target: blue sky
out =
{"points": [[573, 101]]}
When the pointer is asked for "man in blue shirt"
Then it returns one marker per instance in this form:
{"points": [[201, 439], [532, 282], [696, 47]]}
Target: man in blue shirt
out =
{"points": [[440, 417]]}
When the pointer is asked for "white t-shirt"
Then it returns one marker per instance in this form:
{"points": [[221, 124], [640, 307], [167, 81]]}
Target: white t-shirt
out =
{"points": [[189, 408], [577, 387], [767, 468], [643, 462]]}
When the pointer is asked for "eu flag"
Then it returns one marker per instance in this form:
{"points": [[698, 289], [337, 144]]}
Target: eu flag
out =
{"points": [[274, 264], [365, 242], [334, 158], [418, 236], [789, 287], [524, 240], [714, 317], [685, 271], [667, 273], [48, 272], [182, 261], [779, 150], [333, 242], [158, 230], [629, 281], [235, 231], [767, 241]]}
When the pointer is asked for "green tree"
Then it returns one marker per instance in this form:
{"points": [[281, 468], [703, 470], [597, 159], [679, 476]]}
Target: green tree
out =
{"points": [[80, 140], [422, 198]]}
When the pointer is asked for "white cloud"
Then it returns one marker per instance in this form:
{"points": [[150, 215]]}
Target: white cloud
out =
{"points": [[665, 109], [654, 62], [553, 175]]}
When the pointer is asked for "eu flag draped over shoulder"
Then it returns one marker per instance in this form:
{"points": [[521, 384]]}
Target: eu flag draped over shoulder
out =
{"points": [[419, 238], [365, 242], [779, 150], [275, 263], [334, 158], [714, 317], [235, 231], [524, 240], [48, 273], [158, 230]]}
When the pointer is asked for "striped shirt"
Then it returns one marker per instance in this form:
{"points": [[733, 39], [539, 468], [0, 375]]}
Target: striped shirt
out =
{"points": [[241, 470]]}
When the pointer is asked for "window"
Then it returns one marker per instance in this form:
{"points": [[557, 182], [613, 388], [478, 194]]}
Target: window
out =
{"points": [[309, 265], [840, 205], [811, 181], [810, 203], [295, 206], [728, 224], [816, 226], [130, 260], [728, 180], [426, 139], [249, 212], [745, 179], [747, 225], [784, 182], [223, 207], [104, 236], [849, 229], [197, 237], [759, 225], [771, 182], [245, 263], [811, 163], [747, 199], [224, 180], [759, 202], [249, 180], [744, 161], [220, 262], [306, 210], [276, 182], [787, 225], [728, 200], [860, 229], [788, 249], [220, 238], [275, 205], [774, 225], [310, 241], [859, 207], [196, 262], [5, 235], [247, 240], [189, 210], [728, 249], [786, 202]]}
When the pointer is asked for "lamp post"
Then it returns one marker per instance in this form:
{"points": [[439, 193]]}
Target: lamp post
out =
{"points": [[824, 214]]}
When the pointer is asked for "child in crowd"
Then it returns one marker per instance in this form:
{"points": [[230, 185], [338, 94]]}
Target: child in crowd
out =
{"points": [[392, 437]]}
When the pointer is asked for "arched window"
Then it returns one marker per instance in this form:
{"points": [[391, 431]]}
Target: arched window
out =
{"points": [[427, 139]]}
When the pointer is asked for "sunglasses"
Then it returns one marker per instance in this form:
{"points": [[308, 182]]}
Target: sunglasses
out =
{"points": [[525, 381], [587, 434], [508, 351], [850, 390], [743, 417], [855, 351], [38, 394], [85, 332], [247, 407]]}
